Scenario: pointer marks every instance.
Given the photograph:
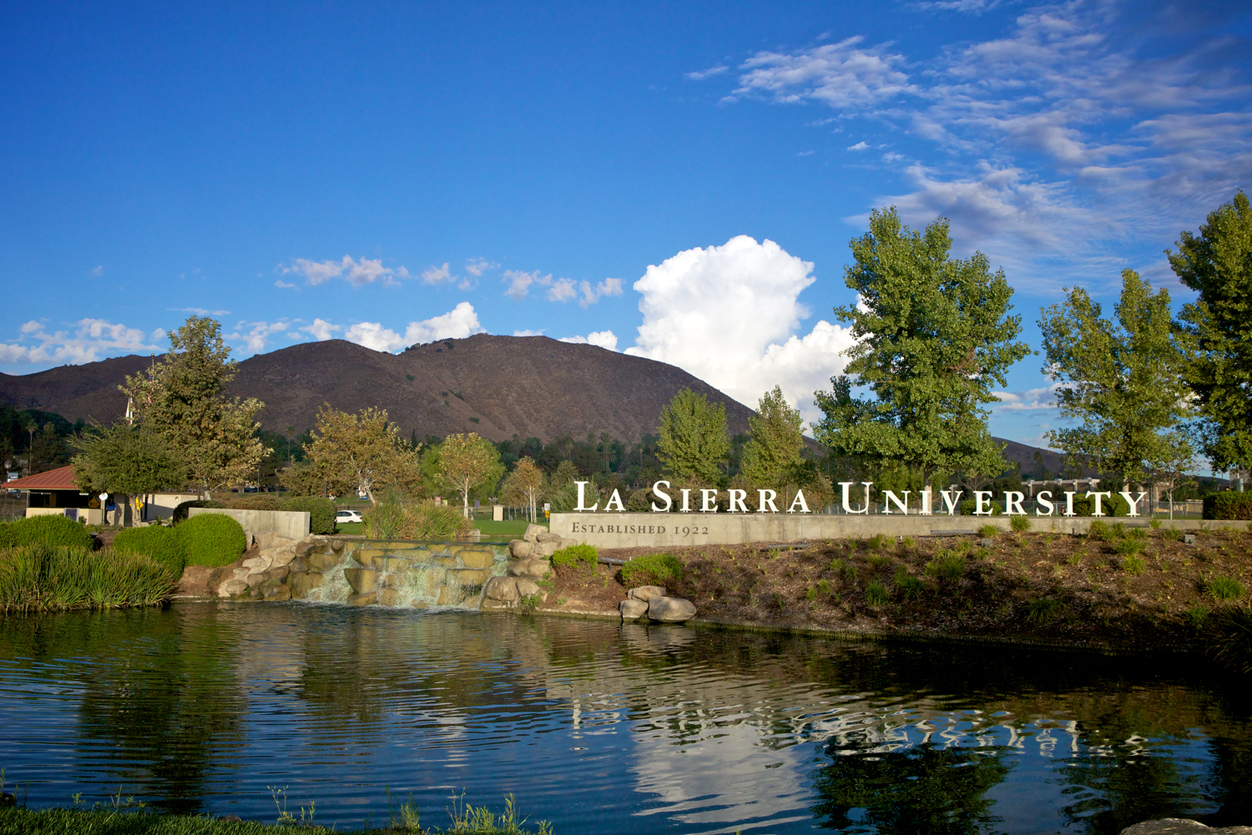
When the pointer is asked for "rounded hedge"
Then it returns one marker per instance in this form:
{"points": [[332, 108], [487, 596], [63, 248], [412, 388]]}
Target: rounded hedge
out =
{"points": [[652, 570], [321, 512], [45, 530], [163, 545], [180, 512], [211, 539]]}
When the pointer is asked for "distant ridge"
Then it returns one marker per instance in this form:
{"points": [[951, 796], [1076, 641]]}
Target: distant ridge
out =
{"points": [[497, 386]]}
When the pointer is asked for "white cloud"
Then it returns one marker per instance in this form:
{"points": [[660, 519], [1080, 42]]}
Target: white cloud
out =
{"points": [[458, 323], [357, 273], [283, 284], [321, 330], [591, 295], [519, 282], [256, 335], [700, 75], [562, 290], [1040, 399], [437, 275], [730, 315], [477, 266], [199, 311], [89, 341], [860, 146], [840, 75], [97, 271], [602, 339], [527, 333]]}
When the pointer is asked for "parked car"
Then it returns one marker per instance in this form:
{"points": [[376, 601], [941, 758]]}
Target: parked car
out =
{"points": [[348, 516]]}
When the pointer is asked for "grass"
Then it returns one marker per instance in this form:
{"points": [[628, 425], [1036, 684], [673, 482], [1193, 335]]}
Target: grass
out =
{"points": [[1230, 638], [907, 585], [1043, 610], [947, 565], [876, 594], [1225, 588], [350, 528], [844, 569], [43, 578], [1020, 524], [988, 531]]}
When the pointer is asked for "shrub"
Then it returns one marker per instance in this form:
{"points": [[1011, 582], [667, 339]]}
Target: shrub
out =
{"points": [[573, 555], [1225, 588], [1133, 564], [393, 519], [947, 565], [1100, 531], [843, 569], [907, 585], [877, 542], [162, 545], [878, 562], [46, 530], [1227, 505], [1230, 638], [212, 539], [652, 570], [967, 508], [1197, 617], [1130, 547], [876, 594], [180, 512], [254, 501], [1042, 610], [321, 512], [1021, 524], [988, 531]]}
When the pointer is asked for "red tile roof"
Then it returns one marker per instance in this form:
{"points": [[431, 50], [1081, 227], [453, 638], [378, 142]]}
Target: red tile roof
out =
{"points": [[61, 478]]}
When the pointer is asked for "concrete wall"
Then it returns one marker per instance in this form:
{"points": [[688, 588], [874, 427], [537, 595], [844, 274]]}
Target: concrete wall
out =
{"points": [[293, 524], [161, 505], [661, 530]]}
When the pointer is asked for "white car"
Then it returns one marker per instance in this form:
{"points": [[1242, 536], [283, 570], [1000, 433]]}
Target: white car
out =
{"points": [[342, 516]]}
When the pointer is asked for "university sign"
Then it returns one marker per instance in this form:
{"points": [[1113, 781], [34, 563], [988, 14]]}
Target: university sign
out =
{"points": [[766, 501]]}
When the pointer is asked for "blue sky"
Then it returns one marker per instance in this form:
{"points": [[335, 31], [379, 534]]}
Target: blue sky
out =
{"points": [[675, 180]]}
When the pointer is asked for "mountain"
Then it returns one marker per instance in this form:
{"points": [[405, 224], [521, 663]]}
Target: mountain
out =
{"points": [[497, 386]]}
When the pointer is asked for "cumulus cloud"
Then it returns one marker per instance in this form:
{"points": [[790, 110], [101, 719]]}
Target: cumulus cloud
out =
{"points": [[283, 284], [527, 333], [560, 289], [87, 341], [477, 266], [256, 335], [602, 339], [356, 272], [458, 323], [592, 294], [437, 275], [519, 282], [1040, 399], [730, 315]]}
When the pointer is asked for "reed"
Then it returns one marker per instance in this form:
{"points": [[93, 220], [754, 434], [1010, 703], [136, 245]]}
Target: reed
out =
{"points": [[46, 578]]}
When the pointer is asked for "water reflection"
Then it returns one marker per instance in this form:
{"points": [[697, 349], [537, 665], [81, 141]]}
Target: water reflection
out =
{"points": [[604, 727]]}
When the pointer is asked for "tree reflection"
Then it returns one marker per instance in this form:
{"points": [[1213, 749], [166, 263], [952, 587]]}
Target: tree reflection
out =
{"points": [[916, 791]]}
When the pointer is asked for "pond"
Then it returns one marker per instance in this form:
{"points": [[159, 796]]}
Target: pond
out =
{"points": [[602, 727]]}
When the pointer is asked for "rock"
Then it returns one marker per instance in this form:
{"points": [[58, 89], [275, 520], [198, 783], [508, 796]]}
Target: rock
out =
{"points": [[533, 569], [632, 609], [474, 577], [361, 599], [302, 584], [388, 597], [323, 561], [362, 580], [368, 556], [646, 593], [305, 547], [501, 589], [528, 588], [258, 564], [671, 609], [476, 556], [546, 549], [277, 574], [255, 594], [231, 587], [520, 549], [1182, 826], [532, 532], [489, 605], [548, 536], [299, 565], [277, 593], [195, 581], [282, 557]]}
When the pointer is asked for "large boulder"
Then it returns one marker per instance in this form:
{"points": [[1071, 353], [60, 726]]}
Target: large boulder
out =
{"points": [[646, 593], [1182, 826], [521, 549], [632, 609], [501, 589], [671, 609], [532, 532], [231, 587], [195, 581], [532, 569]]}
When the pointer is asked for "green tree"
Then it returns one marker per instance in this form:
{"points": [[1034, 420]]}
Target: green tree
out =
{"points": [[182, 399], [524, 486], [772, 453], [467, 462], [134, 460], [933, 338], [1121, 381], [1216, 329], [693, 439], [362, 453]]}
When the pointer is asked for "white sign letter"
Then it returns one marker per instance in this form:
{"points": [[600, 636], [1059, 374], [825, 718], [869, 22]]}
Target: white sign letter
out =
{"points": [[1045, 500], [951, 500], [1098, 510], [736, 498], [804, 506], [978, 502], [615, 499], [847, 507], [1134, 503], [1013, 503], [582, 487], [707, 496], [765, 498], [890, 498], [661, 494]]}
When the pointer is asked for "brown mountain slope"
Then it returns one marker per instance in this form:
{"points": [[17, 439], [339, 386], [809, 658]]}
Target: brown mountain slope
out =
{"points": [[497, 386]]}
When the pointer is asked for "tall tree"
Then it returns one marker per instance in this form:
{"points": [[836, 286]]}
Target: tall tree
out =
{"points": [[467, 462], [524, 485], [363, 452], [933, 338], [694, 442], [182, 398], [1217, 329], [1122, 380], [122, 458], [771, 458]]}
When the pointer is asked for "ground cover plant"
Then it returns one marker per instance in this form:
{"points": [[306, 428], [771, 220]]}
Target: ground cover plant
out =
{"points": [[1122, 586], [42, 578]]}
